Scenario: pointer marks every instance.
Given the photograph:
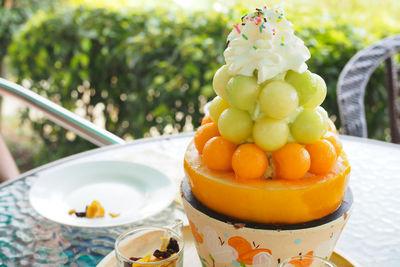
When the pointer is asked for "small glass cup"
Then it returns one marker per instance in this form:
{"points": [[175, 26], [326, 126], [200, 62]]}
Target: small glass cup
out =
{"points": [[141, 241], [306, 260]]}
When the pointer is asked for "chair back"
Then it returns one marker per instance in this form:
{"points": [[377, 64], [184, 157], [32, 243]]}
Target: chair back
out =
{"points": [[354, 79], [60, 115]]}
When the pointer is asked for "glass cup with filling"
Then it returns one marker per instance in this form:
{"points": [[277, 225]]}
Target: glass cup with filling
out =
{"points": [[136, 245]]}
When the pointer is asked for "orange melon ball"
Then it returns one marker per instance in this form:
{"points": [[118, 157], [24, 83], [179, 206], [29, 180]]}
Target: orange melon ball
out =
{"points": [[95, 210], [249, 162], [205, 133], [335, 141], [291, 161], [217, 154], [323, 156], [206, 119]]}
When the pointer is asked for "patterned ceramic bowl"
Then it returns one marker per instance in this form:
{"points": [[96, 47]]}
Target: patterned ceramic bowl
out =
{"points": [[224, 241]]}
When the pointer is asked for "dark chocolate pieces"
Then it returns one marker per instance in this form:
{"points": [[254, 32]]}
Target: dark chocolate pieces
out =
{"points": [[162, 254], [173, 247], [81, 214]]}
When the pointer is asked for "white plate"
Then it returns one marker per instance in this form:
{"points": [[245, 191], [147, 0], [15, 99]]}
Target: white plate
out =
{"points": [[135, 191]]}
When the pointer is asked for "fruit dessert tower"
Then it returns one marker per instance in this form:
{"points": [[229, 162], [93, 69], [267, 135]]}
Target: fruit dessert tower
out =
{"points": [[267, 153]]}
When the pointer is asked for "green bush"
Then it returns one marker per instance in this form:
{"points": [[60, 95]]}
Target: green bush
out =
{"points": [[140, 70], [148, 71], [13, 14]]}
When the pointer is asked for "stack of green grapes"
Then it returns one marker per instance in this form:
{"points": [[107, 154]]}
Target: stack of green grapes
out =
{"points": [[285, 109]]}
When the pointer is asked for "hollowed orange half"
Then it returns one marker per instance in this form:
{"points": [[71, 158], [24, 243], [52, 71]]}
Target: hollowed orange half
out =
{"points": [[267, 200]]}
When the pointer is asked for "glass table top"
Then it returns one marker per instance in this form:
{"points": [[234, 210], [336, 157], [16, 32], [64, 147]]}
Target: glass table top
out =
{"points": [[371, 237]]}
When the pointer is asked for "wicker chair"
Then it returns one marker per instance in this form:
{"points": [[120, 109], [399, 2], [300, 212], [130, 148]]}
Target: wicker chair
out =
{"points": [[354, 79]]}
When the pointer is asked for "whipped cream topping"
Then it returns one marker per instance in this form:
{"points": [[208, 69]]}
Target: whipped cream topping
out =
{"points": [[265, 41]]}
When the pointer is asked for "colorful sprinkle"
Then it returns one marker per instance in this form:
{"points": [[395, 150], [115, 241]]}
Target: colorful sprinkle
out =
{"points": [[260, 20], [236, 26], [283, 38], [297, 241], [255, 48], [282, 44]]}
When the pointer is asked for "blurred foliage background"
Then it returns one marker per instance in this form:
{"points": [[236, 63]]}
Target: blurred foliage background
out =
{"points": [[144, 68]]}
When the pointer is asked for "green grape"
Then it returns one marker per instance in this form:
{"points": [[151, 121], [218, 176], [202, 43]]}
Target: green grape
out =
{"points": [[235, 125], [278, 99], [319, 95], [242, 92], [309, 126], [305, 84], [270, 134], [294, 115], [256, 112], [220, 80], [325, 116], [278, 77], [217, 106]]}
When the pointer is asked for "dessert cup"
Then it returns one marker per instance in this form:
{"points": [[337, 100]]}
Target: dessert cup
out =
{"points": [[266, 176], [141, 241], [225, 241]]}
